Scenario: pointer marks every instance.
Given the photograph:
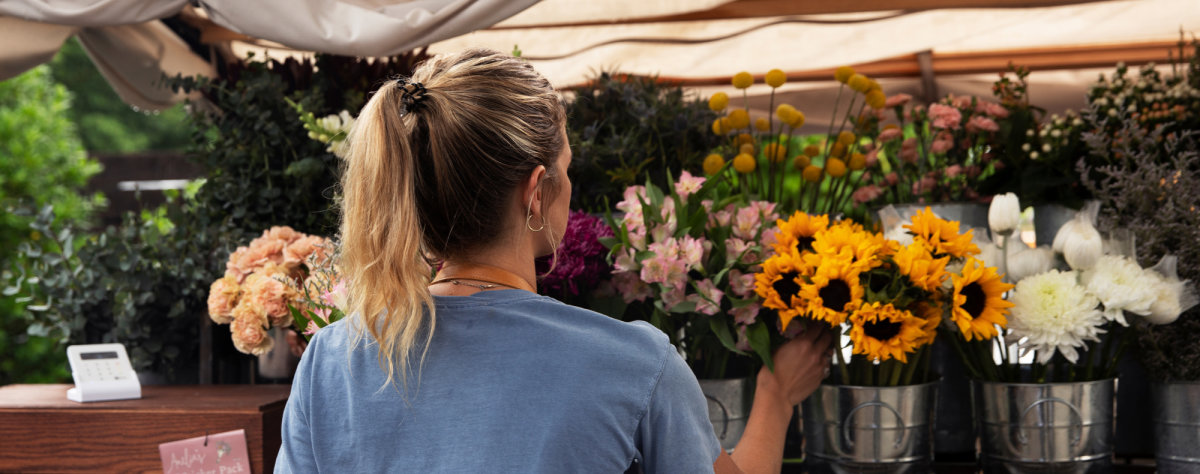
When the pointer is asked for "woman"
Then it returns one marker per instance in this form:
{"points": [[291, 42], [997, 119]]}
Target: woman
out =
{"points": [[472, 371]]}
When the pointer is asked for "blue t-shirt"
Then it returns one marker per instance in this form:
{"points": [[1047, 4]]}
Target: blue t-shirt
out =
{"points": [[512, 382]]}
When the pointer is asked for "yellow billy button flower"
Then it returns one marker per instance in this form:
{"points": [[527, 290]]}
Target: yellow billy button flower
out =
{"points": [[812, 173], [720, 127], [745, 139], [775, 152], [842, 74], [876, 99], [874, 86], [857, 161], [718, 102], [797, 121], [812, 150], [744, 163], [776, 78], [743, 80], [785, 112], [859, 83], [713, 164], [835, 167], [838, 150], [846, 137], [738, 119], [747, 148], [801, 161], [762, 124]]}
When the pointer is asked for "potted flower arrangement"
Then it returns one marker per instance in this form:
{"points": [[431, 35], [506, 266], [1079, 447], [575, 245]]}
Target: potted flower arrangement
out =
{"points": [[258, 287], [1044, 377], [1142, 167], [889, 297], [685, 260]]}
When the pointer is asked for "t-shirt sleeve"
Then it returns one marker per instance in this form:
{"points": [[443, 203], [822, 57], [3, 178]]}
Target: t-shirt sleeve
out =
{"points": [[296, 450], [675, 433]]}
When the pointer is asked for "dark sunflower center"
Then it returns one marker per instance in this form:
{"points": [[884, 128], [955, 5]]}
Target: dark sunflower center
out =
{"points": [[787, 287], [804, 243], [976, 299], [835, 295], [877, 282], [881, 330]]}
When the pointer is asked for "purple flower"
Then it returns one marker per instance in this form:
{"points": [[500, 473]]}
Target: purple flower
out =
{"points": [[581, 260]]}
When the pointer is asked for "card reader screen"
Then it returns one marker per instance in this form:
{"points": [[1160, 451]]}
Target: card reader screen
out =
{"points": [[98, 355]]}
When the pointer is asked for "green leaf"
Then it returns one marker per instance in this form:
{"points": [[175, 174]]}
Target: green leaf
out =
{"points": [[720, 327], [683, 307], [760, 341]]}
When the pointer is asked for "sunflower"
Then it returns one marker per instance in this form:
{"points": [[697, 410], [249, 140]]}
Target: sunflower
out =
{"points": [[798, 231], [835, 290], [881, 332], [924, 271], [931, 315], [979, 304], [779, 283], [940, 236], [847, 240]]}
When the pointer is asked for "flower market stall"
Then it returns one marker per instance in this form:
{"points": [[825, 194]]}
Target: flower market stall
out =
{"points": [[989, 205]]}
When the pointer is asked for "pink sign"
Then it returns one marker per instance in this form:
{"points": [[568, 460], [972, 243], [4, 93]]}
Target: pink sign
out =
{"points": [[221, 453]]}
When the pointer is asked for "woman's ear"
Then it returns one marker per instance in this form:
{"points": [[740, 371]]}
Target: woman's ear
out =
{"points": [[531, 191]]}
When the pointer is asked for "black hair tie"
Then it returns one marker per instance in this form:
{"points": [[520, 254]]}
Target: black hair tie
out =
{"points": [[411, 94]]}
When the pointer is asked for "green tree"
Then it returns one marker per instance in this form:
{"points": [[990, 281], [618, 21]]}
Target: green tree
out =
{"points": [[106, 123], [42, 162]]}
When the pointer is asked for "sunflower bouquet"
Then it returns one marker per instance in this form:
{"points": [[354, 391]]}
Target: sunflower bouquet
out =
{"points": [[817, 174], [888, 296], [684, 260]]}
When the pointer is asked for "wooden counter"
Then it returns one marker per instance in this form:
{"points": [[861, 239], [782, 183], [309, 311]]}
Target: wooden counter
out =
{"points": [[42, 431]]}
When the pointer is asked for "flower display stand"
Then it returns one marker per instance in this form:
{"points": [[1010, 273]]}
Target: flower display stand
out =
{"points": [[45, 432]]}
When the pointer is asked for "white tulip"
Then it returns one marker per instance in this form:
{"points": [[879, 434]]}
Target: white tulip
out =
{"points": [[1082, 246], [1025, 262], [1172, 295], [1004, 215]]}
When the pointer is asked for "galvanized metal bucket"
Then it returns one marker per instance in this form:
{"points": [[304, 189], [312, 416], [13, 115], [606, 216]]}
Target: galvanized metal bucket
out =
{"points": [[729, 402], [1059, 427], [1177, 427], [869, 429]]}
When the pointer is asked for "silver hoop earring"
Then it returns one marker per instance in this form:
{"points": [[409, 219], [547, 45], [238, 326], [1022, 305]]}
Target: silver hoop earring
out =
{"points": [[527, 226]]}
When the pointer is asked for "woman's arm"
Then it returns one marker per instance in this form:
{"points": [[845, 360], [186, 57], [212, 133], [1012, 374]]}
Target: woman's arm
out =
{"points": [[800, 365]]}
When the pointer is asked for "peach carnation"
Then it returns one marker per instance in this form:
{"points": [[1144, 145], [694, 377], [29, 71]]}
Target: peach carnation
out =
{"points": [[945, 116], [250, 336], [284, 233], [298, 251], [222, 297], [267, 290]]}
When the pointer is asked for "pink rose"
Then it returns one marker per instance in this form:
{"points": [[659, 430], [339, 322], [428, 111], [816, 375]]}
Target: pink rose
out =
{"points": [[945, 116], [908, 150], [222, 298], [890, 134], [978, 123], [991, 108], [897, 100], [866, 194]]}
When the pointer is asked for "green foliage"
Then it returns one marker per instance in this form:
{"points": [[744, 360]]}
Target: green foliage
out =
{"points": [[42, 162], [134, 284], [624, 129], [106, 123]]}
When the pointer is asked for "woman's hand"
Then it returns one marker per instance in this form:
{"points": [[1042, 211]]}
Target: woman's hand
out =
{"points": [[800, 365]]}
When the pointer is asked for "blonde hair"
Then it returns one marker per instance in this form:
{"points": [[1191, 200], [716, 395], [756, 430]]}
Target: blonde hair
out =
{"points": [[431, 180]]}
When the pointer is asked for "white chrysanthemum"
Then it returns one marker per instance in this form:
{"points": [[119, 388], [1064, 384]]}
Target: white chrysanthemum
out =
{"points": [[1121, 285], [1052, 312]]}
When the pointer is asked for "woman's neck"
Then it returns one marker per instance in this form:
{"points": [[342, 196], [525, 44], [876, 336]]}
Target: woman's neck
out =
{"points": [[502, 267]]}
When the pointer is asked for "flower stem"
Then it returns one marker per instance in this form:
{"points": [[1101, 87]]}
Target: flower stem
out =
{"points": [[841, 361]]}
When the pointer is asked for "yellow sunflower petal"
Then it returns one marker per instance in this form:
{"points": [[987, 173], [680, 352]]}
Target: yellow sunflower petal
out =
{"points": [[979, 307]]}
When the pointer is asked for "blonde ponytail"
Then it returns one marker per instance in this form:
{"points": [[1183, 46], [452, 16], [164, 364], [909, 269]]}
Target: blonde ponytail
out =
{"points": [[432, 181], [382, 252]]}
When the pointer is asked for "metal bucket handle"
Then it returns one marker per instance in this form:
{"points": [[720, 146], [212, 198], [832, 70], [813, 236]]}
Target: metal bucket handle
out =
{"points": [[846, 423], [724, 413], [1076, 432]]}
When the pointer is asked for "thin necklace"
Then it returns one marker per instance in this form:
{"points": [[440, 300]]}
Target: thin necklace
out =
{"points": [[485, 286]]}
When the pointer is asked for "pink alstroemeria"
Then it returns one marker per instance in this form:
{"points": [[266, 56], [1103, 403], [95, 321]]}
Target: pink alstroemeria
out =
{"points": [[688, 185]]}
